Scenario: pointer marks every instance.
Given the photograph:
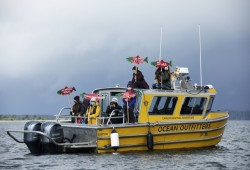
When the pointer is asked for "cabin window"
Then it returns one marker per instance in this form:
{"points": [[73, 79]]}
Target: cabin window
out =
{"points": [[137, 107], [107, 97], [116, 95], [210, 103], [105, 101], [193, 105], [162, 105]]}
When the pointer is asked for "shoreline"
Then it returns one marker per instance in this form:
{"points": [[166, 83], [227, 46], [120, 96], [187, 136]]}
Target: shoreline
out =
{"points": [[6, 121]]}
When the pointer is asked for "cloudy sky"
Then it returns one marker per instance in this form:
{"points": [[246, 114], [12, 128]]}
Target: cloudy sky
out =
{"points": [[46, 45]]}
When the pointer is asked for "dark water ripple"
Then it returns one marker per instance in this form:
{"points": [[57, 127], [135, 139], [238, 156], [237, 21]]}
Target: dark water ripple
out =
{"points": [[233, 152]]}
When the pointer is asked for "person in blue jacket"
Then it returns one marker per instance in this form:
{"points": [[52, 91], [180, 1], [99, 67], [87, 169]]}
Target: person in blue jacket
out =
{"points": [[129, 104]]}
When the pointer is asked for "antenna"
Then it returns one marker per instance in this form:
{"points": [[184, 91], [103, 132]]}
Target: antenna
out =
{"points": [[200, 55], [160, 44]]}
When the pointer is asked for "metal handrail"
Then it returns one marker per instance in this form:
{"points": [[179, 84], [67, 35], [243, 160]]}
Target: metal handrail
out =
{"points": [[36, 132], [45, 135], [113, 113], [59, 115]]}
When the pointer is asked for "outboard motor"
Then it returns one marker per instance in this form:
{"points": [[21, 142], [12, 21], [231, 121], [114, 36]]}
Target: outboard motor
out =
{"points": [[55, 132], [32, 140]]}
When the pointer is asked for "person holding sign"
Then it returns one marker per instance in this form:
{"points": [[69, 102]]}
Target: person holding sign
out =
{"points": [[162, 78], [129, 100]]}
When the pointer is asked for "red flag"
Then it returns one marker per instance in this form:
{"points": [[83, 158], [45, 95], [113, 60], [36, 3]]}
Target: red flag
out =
{"points": [[161, 64], [66, 90], [128, 95], [93, 95], [137, 59]]}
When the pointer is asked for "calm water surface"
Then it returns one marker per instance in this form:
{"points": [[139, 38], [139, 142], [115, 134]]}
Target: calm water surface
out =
{"points": [[233, 152]]}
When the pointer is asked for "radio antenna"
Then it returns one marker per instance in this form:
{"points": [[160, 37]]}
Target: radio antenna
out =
{"points": [[160, 44], [200, 56]]}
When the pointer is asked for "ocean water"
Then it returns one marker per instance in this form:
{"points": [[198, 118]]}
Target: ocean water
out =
{"points": [[233, 152]]}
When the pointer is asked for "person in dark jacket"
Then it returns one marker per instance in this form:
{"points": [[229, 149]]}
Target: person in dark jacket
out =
{"points": [[116, 111], [138, 79], [113, 106], [78, 109], [162, 79]]}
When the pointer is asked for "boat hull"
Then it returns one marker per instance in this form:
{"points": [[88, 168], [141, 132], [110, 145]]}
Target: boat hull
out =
{"points": [[165, 136], [130, 137], [134, 137]]}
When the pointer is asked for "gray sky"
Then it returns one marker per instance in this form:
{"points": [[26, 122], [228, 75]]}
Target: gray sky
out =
{"points": [[46, 45]]}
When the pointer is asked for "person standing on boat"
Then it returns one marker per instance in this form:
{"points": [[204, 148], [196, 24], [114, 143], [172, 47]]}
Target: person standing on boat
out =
{"points": [[162, 78], [129, 104], [78, 109], [113, 106], [93, 112], [138, 79], [116, 111]]}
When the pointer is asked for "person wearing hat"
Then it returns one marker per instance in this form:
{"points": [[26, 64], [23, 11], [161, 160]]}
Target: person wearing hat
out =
{"points": [[113, 106], [129, 104], [77, 109], [162, 78], [93, 112], [138, 79]]}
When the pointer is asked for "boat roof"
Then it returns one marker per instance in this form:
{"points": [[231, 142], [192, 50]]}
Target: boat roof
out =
{"points": [[110, 89], [161, 92]]}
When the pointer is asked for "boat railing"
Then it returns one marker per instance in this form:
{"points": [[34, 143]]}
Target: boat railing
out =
{"points": [[60, 112], [112, 116], [65, 144], [102, 119]]}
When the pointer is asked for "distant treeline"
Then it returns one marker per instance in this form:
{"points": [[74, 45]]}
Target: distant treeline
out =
{"points": [[26, 117]]}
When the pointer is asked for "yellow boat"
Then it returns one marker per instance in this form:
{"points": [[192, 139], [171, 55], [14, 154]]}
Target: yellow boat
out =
{"points": [[165, 119]]}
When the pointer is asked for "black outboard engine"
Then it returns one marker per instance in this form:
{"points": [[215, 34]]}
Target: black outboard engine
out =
{"points": [[32, 140], [55, 132]]}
